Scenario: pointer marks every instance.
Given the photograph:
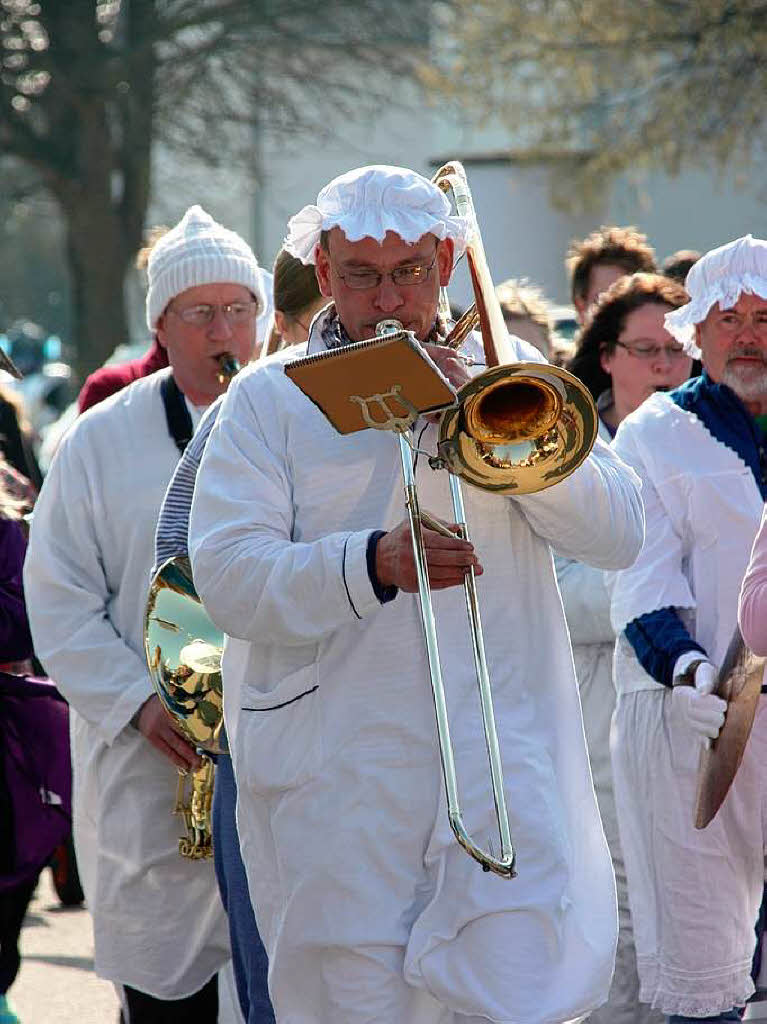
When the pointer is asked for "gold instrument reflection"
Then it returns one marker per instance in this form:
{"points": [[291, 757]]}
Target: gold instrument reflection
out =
{"points": [[518, 427], [183, 651], [228, 367]]}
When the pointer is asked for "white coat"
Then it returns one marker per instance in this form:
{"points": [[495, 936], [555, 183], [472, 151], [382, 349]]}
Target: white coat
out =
{"points": [[369, 909], [159, 925], [586, 602], [695, 895]]}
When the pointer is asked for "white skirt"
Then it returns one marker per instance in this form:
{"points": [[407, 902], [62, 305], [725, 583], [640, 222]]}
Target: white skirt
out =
{"points": [[695, 895]]}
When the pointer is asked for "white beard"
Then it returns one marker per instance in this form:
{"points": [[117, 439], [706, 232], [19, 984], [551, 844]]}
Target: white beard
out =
{"points": [[749, 384]]}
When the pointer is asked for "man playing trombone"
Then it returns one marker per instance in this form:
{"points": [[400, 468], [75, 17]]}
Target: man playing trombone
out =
{"points": [[368, 908]]}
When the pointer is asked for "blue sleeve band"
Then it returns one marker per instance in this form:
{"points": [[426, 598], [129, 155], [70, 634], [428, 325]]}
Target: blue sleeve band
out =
{"points": [[384, 594], [658, 639]]}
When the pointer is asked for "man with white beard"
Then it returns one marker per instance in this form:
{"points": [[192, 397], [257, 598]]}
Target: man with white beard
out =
{"points": [[702, 455]]}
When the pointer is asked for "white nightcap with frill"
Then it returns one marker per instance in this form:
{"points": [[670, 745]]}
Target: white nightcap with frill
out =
{"points": [[722, 275], [369, 201]]}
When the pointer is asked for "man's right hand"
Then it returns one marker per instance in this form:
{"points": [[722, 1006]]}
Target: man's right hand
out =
{"points": [[156, 726], [447, 558], [702, 712]]}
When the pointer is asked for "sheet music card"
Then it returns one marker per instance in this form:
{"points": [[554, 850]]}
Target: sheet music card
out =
{"points": [[384, 383]]}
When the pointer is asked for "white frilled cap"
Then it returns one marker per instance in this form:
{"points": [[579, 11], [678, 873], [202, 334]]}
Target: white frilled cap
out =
{"points": [[369, 201], [198, 251], [722, 275]]}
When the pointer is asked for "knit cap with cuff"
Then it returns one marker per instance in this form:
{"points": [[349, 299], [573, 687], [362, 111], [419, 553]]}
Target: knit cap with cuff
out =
{"points": [[198, 251]]}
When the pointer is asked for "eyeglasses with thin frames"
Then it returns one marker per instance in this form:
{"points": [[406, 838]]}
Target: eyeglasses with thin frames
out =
{"points": [[649, 353], [201, 315], [402, 277]]}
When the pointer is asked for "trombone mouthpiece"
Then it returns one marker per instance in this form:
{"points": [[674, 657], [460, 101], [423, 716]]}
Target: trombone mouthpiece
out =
{"points": [[384, 327], [228, 367]]}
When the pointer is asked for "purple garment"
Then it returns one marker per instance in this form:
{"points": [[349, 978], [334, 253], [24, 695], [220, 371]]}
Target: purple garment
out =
{"points": [[15, 638], [35, 776]]}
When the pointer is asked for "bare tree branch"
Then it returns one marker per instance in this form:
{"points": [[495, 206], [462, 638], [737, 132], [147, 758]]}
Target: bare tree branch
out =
{"points": [[87, 85]]}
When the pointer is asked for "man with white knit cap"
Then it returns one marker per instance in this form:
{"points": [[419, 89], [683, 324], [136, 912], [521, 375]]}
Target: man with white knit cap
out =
{"points": [[159, 927], [702, 455], [369, 909]]}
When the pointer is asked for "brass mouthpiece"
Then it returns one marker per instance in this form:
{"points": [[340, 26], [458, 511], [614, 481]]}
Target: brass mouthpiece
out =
{"points": [[228, 367]]}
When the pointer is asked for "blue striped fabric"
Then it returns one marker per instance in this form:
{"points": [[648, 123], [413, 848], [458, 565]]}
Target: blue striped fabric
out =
{"points": [[171, 538]]}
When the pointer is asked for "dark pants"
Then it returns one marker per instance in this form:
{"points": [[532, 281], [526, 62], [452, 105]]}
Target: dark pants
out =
{"points": [[200, 1008], [13, 907], [248, 953]]}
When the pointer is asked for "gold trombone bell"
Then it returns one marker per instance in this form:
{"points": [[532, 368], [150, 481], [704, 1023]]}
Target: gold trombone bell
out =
{"points": [[518, 427]]}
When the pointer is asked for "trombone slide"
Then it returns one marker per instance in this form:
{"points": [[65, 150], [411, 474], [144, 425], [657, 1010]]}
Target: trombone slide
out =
{"points": [[503, 864]]}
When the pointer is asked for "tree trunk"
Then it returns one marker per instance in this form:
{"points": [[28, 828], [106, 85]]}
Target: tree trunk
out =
{"points": [[99, 259], [101, 174]]}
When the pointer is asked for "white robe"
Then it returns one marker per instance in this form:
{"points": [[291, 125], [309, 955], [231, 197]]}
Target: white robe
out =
{"points": [[694, 895], [369, 909], [587, 608], [158, 921]]}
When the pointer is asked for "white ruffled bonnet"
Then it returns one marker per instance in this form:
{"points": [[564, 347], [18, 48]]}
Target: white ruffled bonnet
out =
{"points": [[369, 201], [722, 275]]}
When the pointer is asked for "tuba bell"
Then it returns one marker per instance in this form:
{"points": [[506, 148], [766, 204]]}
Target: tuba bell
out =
{"points": [[183, 652]]}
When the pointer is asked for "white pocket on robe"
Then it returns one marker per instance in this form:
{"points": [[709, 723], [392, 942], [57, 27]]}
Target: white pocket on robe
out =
{"points": [[281, 735]]}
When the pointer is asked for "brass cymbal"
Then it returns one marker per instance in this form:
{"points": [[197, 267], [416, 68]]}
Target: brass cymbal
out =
{"points": [[740, 684]]}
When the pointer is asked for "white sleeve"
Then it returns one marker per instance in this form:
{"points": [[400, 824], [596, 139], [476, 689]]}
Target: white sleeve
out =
{"points": [[68, 596], [255, 581], [655, 580], [594, 515], [586, 601]]}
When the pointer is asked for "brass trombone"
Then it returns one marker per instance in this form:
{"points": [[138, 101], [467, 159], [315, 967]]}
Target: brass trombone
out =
{"points": [[516, 428]]}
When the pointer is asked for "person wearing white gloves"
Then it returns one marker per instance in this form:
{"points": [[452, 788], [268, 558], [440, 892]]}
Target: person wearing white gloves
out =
{"points": [[701, 453]]}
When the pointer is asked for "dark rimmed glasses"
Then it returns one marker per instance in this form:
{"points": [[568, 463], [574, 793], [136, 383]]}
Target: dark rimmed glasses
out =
{"points": [[402, 277]]}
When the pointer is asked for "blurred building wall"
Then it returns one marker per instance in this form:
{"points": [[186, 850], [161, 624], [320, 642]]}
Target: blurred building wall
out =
{"points": [[526, 231]]}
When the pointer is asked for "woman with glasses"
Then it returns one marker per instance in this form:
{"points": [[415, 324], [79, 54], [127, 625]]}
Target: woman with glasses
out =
{"points": [[624, 355]]}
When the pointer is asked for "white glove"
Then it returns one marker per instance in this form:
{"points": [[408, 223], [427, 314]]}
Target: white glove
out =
{"points": [[705, 677], [698, 707]]}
